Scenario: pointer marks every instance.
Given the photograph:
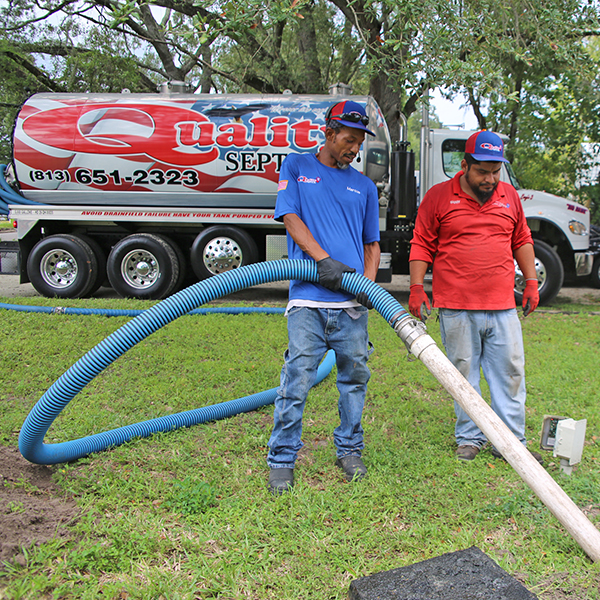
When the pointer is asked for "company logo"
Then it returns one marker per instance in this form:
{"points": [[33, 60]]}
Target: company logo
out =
{"points": [[303, 179], [454, 201], [353, 190], [282, 185], [500, 204], [488, 146], [171, 134]]}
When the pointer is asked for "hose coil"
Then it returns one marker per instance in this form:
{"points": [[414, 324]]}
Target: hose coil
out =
{"points": [[70, 383]]}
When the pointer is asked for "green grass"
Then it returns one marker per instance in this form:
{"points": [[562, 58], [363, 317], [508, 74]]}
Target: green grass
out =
{"points": [[186, 514], [5, 224]]}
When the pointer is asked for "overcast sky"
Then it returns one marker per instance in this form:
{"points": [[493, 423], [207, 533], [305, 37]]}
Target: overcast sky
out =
{"points": [[453, 113]]}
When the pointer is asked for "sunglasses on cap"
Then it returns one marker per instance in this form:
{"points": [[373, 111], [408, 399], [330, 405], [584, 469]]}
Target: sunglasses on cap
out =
{"points": [[352, 117]]}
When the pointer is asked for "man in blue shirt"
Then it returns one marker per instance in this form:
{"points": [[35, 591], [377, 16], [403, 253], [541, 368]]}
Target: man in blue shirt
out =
{"points": [[331, 214]]}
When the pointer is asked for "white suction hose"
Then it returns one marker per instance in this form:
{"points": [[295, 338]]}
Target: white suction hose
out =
{"points": [[420, 344]]}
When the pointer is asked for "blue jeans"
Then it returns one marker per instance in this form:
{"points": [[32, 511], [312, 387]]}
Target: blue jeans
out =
{"points": [[493, 341], [312, 332]]}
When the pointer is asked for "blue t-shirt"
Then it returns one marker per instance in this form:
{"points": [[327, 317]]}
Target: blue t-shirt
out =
{"points": [[340, 207]]}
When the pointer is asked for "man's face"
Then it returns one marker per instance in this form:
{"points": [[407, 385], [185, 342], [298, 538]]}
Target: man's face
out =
{"points": [[344, 144], [482, 178]]}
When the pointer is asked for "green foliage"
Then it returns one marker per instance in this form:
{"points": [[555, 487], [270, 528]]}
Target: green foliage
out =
{"points": [[192, 497], [15, 87]]}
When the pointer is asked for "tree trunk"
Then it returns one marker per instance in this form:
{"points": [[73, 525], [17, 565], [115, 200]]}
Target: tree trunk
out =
{"points": [[206, 77], [307, 44], [476, 106], [388, 100]]}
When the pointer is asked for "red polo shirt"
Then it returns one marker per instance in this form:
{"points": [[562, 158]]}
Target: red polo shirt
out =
{"points": [[472, 245]]}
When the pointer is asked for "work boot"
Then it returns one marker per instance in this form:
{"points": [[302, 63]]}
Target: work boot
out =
{"points": [[467, 452], [353, 467], [280, 481], [535, 455]]}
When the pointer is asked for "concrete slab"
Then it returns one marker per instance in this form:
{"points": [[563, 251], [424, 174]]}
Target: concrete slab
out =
{"points": [[464, 575]]}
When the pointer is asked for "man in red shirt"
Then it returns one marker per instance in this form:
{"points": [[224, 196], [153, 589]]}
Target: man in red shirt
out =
{"points": [[470, 228]]}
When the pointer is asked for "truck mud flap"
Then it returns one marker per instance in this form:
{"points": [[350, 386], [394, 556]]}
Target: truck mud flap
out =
{"points": [[9, 258]]}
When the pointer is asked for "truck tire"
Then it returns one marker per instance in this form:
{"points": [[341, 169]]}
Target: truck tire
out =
{"points": [[62, 266], [550, 274], [220, 249], [143, 266], [101, 278]]}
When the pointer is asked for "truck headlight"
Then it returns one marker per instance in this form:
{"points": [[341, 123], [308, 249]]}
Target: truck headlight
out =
{"points": [[577, 228]]}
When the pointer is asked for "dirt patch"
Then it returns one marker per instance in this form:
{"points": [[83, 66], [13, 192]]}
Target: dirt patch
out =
{"points": [[33, 510]]}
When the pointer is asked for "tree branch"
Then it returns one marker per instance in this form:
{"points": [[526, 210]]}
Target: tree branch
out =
{"points": [[33, 70]]}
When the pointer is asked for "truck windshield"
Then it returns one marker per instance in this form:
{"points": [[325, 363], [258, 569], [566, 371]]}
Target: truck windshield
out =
{"points": [[453, 152], [512, 176]]}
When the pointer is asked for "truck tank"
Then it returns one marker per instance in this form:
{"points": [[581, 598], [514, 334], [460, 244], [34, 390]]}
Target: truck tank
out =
{"points": [[173, 150]]}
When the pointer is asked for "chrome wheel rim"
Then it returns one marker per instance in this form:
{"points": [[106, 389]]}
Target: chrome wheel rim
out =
{"points": [[59, 268], [140, 269], [222, 254]]}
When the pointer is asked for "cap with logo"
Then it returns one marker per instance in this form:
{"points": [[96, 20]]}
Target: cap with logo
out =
{"points": [[350, 114], [486, 146]]}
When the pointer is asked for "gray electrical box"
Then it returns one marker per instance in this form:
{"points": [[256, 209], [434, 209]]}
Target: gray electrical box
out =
{"points": [[549, 431]]}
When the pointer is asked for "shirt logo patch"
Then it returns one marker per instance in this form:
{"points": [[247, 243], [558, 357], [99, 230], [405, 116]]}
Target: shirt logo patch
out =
{"points": [[500, 204], [282, 185], [352, 190], [303, 179], [454, 201]]}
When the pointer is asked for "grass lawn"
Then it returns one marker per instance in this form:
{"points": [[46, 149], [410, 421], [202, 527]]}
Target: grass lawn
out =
{"points": [[186, 514]]}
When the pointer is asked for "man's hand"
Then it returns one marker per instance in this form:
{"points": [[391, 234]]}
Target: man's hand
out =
{"points": [[418, 302], [363, 299], [531, 296], [330, 273]]}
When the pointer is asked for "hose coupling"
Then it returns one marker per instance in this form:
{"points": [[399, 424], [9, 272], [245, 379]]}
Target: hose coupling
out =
{"points": [[408, 329]]}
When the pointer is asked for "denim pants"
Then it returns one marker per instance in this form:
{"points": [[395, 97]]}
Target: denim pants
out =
{"points": [[312, 332], [493, 341]]}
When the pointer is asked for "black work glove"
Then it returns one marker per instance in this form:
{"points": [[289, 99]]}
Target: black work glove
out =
{"points": [[363, 299], [330, 273]]}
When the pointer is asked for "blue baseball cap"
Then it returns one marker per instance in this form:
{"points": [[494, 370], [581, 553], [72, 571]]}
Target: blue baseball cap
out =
{"points": [[350, 114], [486, 146]]}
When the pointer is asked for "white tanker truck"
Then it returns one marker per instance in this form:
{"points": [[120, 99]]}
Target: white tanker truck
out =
{"points": [[146, 192]]}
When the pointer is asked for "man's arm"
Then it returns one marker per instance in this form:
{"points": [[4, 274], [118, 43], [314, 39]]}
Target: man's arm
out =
{"points": [[303, 237], [417, 269], [372, 256], [418, 302], [525, 257]]}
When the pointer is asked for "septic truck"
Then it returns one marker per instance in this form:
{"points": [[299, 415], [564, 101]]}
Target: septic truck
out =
{"points": [[150, 192]]}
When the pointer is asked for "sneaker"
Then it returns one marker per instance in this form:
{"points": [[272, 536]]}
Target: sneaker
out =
{"points": [[535, 455], [353, 467], [280, 481], [467, 452]]}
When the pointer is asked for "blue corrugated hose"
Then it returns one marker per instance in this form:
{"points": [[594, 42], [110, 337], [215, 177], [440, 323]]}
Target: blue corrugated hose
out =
{"points": [[68, 385], [8, 195]]}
